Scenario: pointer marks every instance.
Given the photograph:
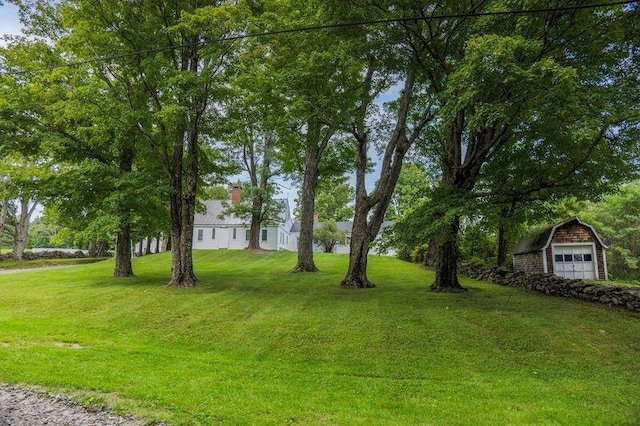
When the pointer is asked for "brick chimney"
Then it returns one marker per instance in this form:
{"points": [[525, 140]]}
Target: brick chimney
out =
{"points": [[236, 193]]}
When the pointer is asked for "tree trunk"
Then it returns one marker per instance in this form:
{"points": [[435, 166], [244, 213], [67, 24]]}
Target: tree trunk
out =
{"points": [[431, 255], [254, 230], [176, 230], [356, 276], [124, 268], [102, 248], [148, 248], [3, 218], [307, 203], [370, 209], [22, 229], [92, 247], [140, 253], [447, 263], [183, 241], [124, 245], [502, 245], [158, 243]]}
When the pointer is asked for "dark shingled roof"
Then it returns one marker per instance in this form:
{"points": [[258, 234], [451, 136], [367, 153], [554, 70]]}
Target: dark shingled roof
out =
{"points": [[539, 240], [534, 242]]}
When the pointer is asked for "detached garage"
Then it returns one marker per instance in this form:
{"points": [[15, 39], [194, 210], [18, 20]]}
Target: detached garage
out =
{"points": [[570, 249]]}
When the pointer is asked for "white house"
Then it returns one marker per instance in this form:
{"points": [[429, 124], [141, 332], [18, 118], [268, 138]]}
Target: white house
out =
{"points": [[339, 248], [213, 231]]}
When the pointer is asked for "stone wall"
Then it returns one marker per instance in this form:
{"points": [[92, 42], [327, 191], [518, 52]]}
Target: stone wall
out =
{"points": [[623, 297], [54, 254]]}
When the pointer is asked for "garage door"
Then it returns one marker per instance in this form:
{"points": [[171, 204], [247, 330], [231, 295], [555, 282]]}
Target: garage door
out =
{"points": [[574, 262]]}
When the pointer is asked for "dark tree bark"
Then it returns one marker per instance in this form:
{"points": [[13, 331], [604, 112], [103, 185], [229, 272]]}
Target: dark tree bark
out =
{"points": [[313, 153], [147, 249], [158, 243], [447, 264], [254, 228], [502, 246], [123, 267], [123, 253], [361, 238]]}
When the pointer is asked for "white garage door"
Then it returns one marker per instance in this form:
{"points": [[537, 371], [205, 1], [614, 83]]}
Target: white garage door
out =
{"points": [[574, 262]]}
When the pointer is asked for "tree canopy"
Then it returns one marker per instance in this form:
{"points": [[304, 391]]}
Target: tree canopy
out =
{"points": [[503, 106]]}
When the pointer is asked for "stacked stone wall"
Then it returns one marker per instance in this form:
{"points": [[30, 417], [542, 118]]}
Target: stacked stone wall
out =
{"points": [[54, 254], [623, 297]]}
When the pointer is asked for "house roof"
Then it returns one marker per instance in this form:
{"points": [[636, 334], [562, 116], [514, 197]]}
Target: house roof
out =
{"points": [[346, 226], [212, 213], [540, 240], [212, 216]]}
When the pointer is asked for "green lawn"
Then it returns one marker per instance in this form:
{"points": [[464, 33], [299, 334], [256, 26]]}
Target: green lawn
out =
{"points": [[255, 344]]}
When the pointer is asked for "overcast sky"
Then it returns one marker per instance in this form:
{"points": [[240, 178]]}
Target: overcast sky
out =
{"points": [[9, 21]]}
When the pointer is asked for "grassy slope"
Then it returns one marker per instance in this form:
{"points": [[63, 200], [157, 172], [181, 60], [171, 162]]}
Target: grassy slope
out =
{"points": [[255, 344]]}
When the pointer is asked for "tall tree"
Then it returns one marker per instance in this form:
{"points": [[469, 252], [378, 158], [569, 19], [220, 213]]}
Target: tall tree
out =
{"points": [[23, 182], [252, 131], [317, 79], [551, 82], [171, 89]]}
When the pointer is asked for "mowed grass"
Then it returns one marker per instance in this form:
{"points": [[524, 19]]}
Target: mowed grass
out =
{"points": [[256, 344]]}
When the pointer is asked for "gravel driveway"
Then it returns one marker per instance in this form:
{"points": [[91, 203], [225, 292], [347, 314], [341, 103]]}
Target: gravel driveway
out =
{"points": [[26, 407]]}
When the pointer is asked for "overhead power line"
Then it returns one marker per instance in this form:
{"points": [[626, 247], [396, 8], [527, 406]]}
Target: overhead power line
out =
{"points": [[328, 26]]}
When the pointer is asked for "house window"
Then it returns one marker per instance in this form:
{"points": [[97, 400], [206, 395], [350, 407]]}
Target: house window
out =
{"points": [[264, 235], [200, 234], [213, 234], [234, 233], [247, 235]]}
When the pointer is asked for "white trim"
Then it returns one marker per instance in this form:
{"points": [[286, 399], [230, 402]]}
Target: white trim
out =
{"points": [[604, 259], [544, 260], [594, 255], [568, 221]]}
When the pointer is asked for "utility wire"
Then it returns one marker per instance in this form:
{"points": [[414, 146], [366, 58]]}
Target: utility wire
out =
{"points": [[324, 27]]}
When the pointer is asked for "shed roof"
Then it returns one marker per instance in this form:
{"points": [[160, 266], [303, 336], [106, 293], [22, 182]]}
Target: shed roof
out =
{"points": [[540, 240]]}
